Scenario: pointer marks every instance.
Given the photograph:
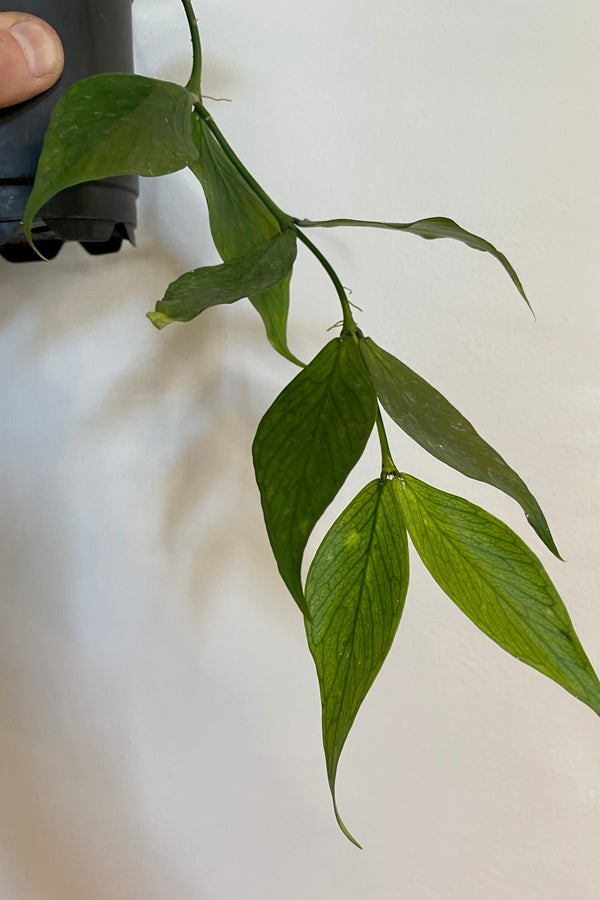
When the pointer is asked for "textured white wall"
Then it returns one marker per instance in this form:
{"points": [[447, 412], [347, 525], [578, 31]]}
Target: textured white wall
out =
{"points": [[159, 718]]}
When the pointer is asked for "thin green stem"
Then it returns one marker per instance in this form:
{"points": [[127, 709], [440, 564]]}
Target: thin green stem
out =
{"points": [[283, 220], [388, 466], [349, 323], [360, 223], [193, 84]]}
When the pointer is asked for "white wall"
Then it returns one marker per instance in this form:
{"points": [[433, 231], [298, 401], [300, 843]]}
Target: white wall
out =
{"points": [[159, 716]]}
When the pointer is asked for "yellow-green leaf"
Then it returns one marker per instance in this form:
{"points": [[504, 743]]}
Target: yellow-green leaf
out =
{"points": [[355, 593], [487, 570]]}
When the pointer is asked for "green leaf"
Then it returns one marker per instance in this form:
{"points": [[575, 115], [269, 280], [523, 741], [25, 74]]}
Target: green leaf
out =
{"points": [[431, 229], [113, 125], [498, 583], [240, 222], [441, 227], [253, 272], [306, 445], [355, 593], [424, 414]]}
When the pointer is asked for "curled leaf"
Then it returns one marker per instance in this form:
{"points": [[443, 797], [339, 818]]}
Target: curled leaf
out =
{"points": [[256, 271], [431, 229]]}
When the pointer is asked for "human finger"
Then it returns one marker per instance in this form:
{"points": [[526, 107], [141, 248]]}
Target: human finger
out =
{"points": [[31, 57]]}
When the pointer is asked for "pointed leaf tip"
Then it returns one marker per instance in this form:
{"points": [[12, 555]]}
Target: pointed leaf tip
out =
{"points": [[341, 824], [442, 227], [159, 320]]}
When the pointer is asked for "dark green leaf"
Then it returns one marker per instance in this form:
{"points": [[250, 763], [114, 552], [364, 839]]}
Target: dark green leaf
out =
{"points": [[355, 592], [253, 272], [498, 583], [424, 414], [430, 229], [113, 125], [239, 222], [305, 447]]}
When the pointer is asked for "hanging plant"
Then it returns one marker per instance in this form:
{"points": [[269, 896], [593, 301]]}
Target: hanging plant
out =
{"points": [[316, 430]]}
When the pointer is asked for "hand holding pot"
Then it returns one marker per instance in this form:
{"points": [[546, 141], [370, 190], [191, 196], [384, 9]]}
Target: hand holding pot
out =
{"points": [[31, 57]]}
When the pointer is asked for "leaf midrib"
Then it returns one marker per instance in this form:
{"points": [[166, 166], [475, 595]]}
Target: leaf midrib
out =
{"points": [[367, 557], [319, 426]]}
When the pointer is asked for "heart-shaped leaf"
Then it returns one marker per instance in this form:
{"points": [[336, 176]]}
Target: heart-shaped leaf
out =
{"points": [[306, 445], [498, 583], [240, 222], [424, 414], [355, 593], [113, 125], [256, 271]]}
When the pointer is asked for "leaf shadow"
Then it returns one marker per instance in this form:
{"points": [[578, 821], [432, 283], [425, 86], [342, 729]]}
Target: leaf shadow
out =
{"points": [[72, 816], [177, 375], [197, 385]]}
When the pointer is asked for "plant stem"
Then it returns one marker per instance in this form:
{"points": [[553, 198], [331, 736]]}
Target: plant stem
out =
{"points": [[349, 323], [387, 463], [193, 84], [336, 223], [283, 220]]}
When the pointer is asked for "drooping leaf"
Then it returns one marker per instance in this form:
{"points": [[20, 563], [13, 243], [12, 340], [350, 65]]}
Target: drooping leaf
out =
{"points": [[240, 222], [253, 272], [424, 414], [487, 570], [355, 592], [306, 444], [113, 125], [431, 229]]}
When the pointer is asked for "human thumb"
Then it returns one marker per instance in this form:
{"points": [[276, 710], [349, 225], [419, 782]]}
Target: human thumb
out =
{"points": [[31, 57]]}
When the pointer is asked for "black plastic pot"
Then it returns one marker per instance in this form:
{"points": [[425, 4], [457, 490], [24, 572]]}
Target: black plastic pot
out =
{"points": [[97, 37]]}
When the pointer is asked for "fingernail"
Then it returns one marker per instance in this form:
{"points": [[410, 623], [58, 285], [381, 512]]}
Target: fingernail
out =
{"points": [[41, 49]]}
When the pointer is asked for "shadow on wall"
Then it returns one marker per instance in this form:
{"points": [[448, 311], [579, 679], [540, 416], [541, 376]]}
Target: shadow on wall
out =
{"points": [[72, 821], [72, 818]]}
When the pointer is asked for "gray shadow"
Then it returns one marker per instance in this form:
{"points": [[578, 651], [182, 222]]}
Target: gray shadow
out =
{"points": [[71, 821], [71, 825]]}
